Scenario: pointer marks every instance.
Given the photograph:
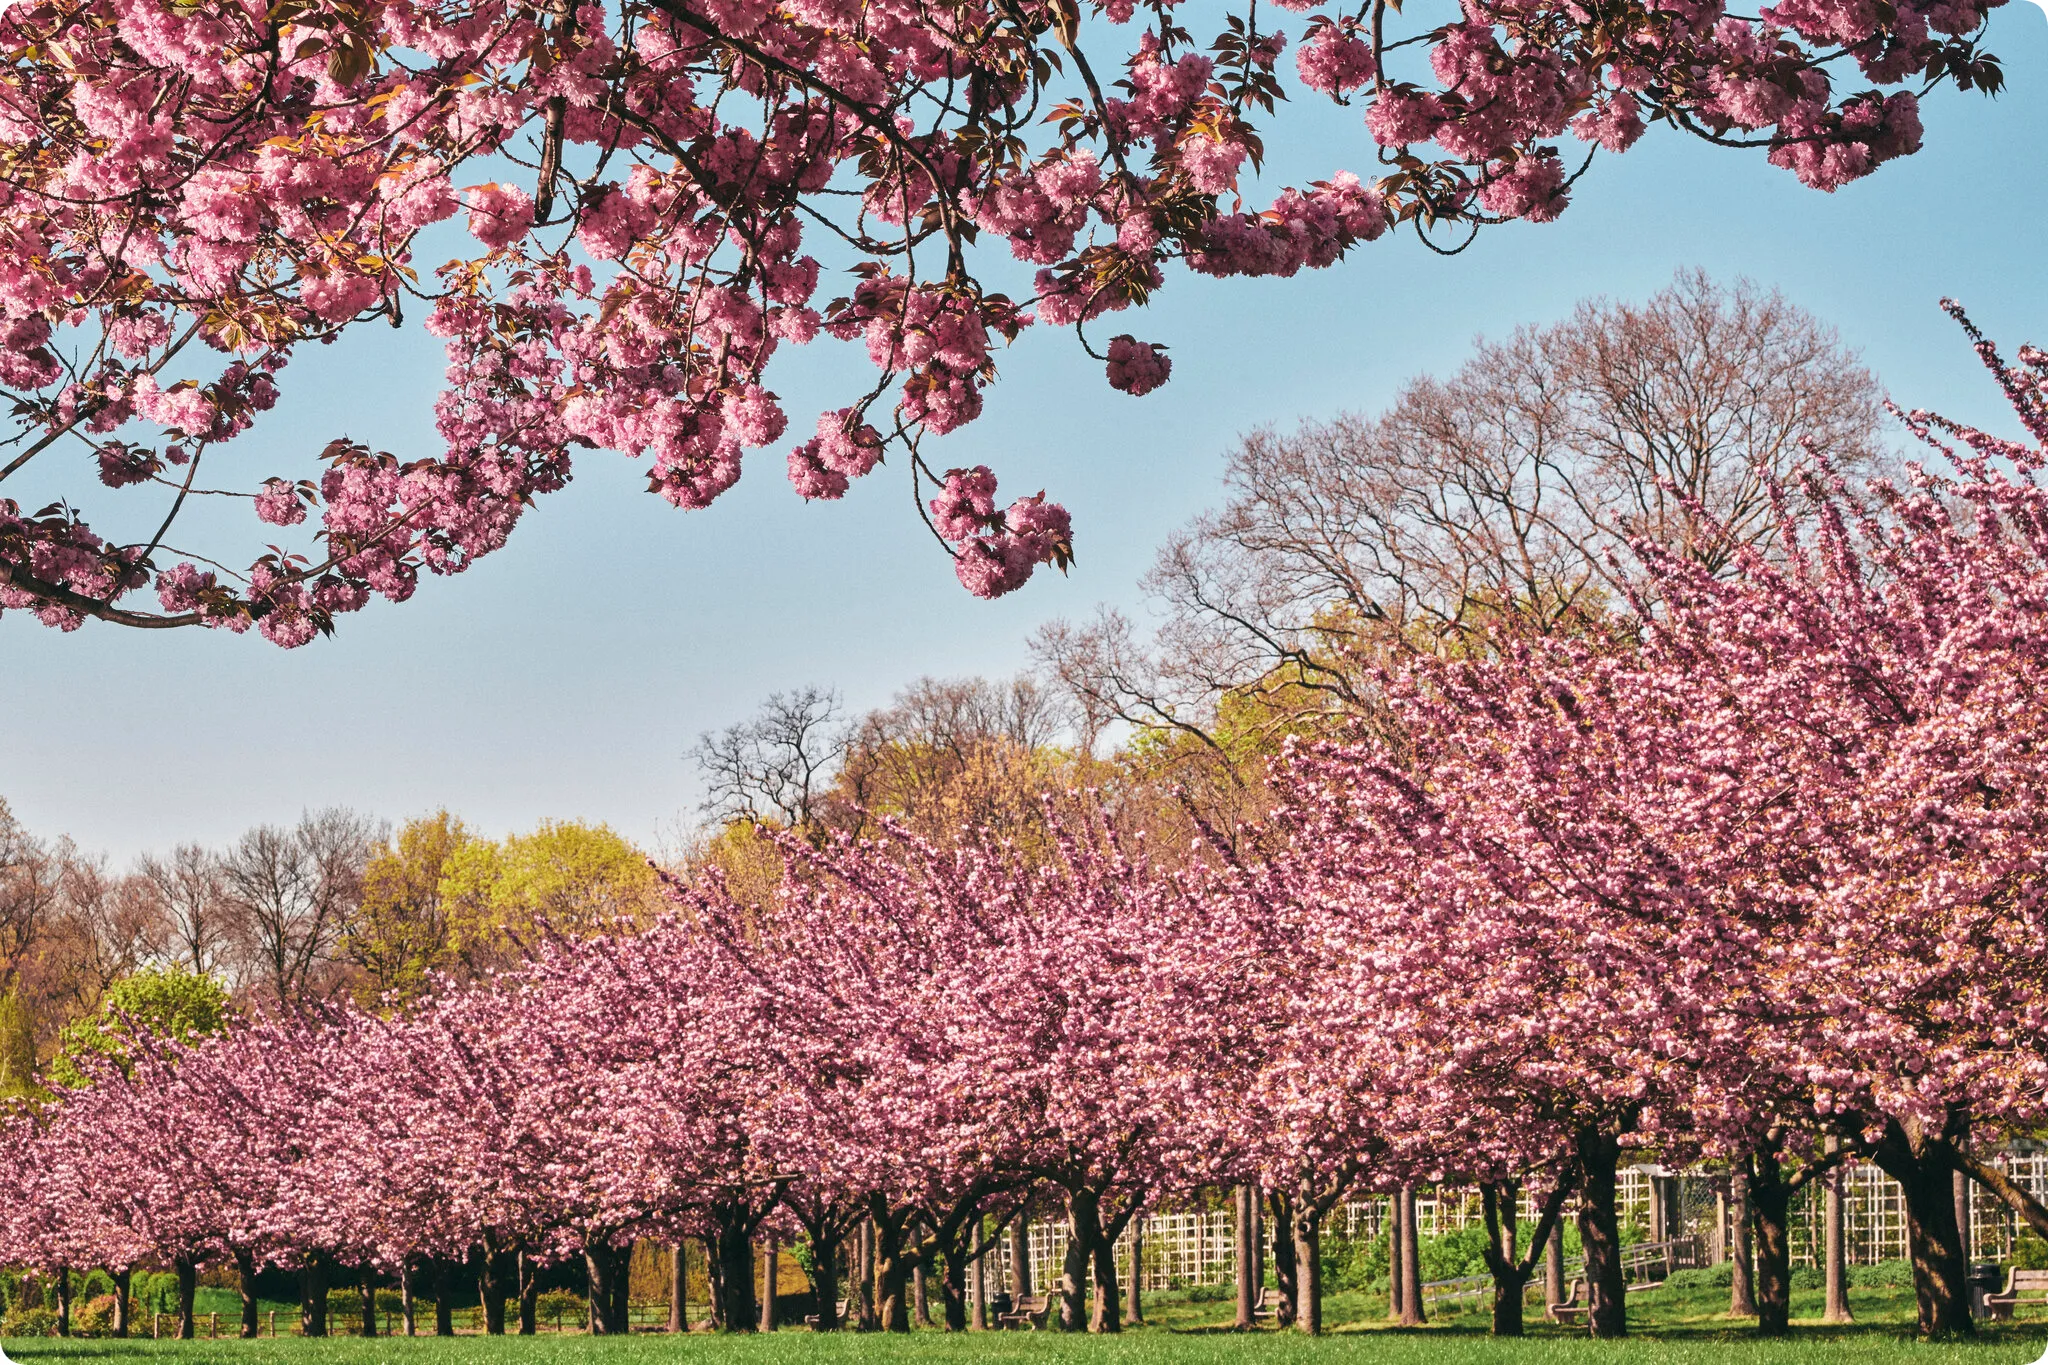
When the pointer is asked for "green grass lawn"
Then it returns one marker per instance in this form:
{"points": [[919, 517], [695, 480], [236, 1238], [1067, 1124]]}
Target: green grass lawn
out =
{"points": [[1670, 1327]]}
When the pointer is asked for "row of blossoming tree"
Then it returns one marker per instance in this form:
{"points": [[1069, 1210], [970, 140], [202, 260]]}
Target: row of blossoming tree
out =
{"points": [[1749, 876]]}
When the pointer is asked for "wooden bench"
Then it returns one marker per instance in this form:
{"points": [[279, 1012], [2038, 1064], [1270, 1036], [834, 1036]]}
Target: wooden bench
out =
{"points": [[1265, 1307], [2021, 1286], [1571, 1312], [845, 1306], [1029, 1312]]}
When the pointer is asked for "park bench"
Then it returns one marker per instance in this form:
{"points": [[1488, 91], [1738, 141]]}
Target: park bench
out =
{"points": [[1029, 1313], [1265, 1307], [1572, 1311], [2021, 1286], [845, 1306]]}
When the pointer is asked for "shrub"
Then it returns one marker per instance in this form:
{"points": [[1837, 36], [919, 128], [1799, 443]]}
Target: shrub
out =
{"points": [[1703, 1277], [1211, 1293], [157, 1292], [561, 1304], [29, 1322], [95, 1284], [2029, 1252], [93, 1317], [1883, 1275], [1809, 1277]]}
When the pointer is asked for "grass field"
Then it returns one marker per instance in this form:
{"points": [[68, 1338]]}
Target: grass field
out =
{"points": [[1671, 1327]]}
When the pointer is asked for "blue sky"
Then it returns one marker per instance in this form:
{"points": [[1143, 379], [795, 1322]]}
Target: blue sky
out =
{"points": [[569, 674]]}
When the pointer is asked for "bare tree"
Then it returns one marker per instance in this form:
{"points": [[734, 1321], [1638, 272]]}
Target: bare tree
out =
{"points": [[116, 924], [196, 919], [776, 766], [291, 893], [1506, 497], [31, 883]]}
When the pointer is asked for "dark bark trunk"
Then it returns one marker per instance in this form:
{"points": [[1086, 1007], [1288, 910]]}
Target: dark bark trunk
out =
{"points": [[1308, 1271], [369, 1302], [529, 1295], [1600, 1235], [679, 1287], [1505, 1261], [1109, 1309], [1247, 1286], [122, 1280], [1286, 1282], [245, 1282], [313, 1297], [1940, 1272], [1553, 1267], [977, 1318], [444, 1297], [1770, 1200], [64, 1301], [825, 1277], [408, 1310], [1393, 1258], [1073, 1285], [1020, 1259], [1835, 1238], [1742, 1261], [1137, 1294], [607, 1266], [732, 1257], [622, 1291], [1413, 1312], [496, 1282], [187, 1272]]}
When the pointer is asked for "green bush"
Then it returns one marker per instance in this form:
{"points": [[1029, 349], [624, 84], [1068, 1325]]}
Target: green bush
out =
{"points": [[1211, 1293], [93, 1285], [1703, 1277], [1883, 1275], [1809, 1277], [29, 1322], [156, 1291], [564, 1304], [93, 1317]]}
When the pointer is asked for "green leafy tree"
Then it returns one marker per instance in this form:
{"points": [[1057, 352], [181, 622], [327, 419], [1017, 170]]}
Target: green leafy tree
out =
{"points": [[164, 1003], [401, 932]]}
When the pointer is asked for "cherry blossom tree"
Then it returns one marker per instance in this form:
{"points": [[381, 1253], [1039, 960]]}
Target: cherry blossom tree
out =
{"points": [[200, 195]]}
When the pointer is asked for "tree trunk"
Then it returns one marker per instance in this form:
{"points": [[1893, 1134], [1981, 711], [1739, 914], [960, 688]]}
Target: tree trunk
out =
{"points": [[977, 1313], [1770, 1202], [313, 1297], [122, 1280], [1742, 1264], [64, 1301], [679, 1288], [1600, 1235], [187, 1272], [771, 1268], [1413, 1314], [1836, 1239], [1020, 1257], [733, 1308], [492, 1288], [369, 1292], [866, 1303], [1505, 1261], [1137, 1295], [245, 1281], [529, 1295], [407, 1310], [1247, 1288], [825, 1253], [1308, 1271], [920, 1300], [1393, 1258], [1109, 1312], [1285, 1281], [1940, 1272], [444, 1295], [1074, 1273], [1553, 1267]]}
